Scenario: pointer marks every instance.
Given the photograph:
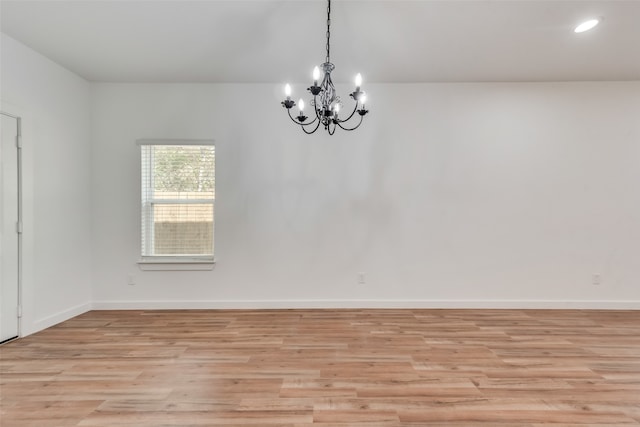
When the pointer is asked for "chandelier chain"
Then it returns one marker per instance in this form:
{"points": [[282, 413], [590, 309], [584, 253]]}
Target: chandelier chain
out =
{"points": [[328, 29]]}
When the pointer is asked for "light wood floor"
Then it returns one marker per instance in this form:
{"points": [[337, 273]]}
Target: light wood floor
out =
{"points": [[328, 368]]}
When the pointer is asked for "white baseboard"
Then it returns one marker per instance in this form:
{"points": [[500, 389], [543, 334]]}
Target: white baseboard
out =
{"points": [[54, 319], [294, 304]]}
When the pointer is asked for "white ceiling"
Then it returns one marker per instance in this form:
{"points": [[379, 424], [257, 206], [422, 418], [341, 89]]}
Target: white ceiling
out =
{"points": [[387, 41]]}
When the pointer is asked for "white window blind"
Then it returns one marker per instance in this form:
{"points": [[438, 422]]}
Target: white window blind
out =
{"points": [[178, 199]]}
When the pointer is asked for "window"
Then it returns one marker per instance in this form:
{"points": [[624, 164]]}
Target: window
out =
{"points": [[178, 198]]}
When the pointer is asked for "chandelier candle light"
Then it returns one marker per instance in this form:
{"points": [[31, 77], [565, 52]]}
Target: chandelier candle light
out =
{"points": [[326, 103]]}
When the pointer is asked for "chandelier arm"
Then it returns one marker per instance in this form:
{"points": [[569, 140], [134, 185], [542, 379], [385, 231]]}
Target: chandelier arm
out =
{"points": [[299, 123], [353, 128], [351, 115], [313, 131], [291, 117], [311, 122]]}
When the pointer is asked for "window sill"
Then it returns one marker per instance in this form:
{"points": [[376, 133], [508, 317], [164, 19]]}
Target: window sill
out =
{"points": [[175, 264]]}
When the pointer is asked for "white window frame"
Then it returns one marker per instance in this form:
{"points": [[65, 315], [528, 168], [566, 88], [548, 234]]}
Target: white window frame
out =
{"points": [[170, 262]]}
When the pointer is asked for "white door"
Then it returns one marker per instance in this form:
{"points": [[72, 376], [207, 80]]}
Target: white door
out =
{"points": [[8, 231]]}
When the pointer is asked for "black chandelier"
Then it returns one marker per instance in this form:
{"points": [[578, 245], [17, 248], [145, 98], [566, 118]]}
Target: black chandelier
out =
{"points": [[326, 103]]}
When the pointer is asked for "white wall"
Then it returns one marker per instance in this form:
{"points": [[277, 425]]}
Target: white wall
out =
{"points": [[55, 107], [487, 195]]}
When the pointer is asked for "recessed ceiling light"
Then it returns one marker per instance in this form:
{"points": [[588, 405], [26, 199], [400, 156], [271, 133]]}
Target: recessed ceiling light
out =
{"points": [[586, 25]]}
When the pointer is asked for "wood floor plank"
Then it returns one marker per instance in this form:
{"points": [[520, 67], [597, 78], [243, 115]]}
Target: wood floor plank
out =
{"points": [[330, 368]]}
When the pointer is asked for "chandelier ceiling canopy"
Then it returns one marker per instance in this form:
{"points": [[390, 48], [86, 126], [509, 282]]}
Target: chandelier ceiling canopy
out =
{"points": [[326, 103]]}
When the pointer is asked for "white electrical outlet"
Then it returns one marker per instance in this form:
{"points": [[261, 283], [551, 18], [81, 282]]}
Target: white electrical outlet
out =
{"points": [[131, 280], [361, 278], [596, 280]]}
